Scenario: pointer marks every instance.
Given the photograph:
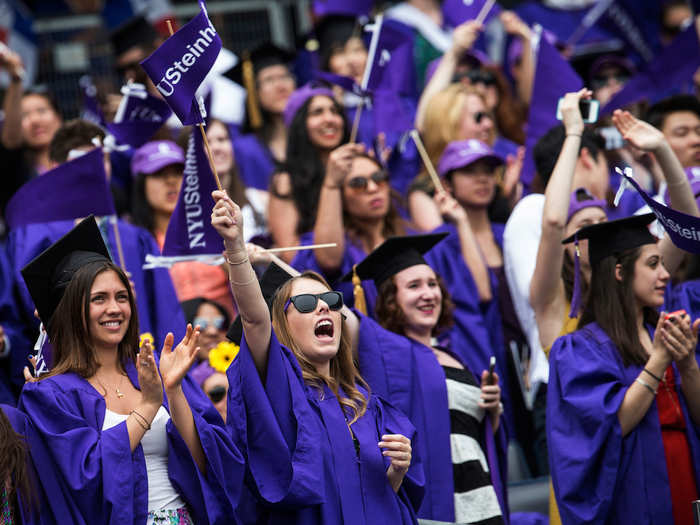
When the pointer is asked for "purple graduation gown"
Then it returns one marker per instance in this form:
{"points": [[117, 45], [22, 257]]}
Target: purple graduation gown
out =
{"points": [[407, 373], [301, 460], [158, 308], [104, 482], [254, 161], [599, 476]]}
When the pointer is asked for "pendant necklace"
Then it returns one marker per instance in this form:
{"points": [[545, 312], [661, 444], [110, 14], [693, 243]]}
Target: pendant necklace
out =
{"points": [[120, 394]]}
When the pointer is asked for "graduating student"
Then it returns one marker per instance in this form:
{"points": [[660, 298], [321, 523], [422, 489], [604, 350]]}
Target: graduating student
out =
{"points": [[623, 404], [456, 414], [320, 447], [132, 440], [262, 148]]}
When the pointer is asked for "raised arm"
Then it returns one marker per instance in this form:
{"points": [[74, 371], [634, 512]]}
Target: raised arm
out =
{"points": [[516, 27], [226, 217], [282, 214], [12, 105], [463, 38], [646, 137], [547, 286], [329, 217]]}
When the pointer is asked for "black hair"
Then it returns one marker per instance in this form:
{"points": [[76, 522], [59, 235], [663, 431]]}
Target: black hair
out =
{"points": [[73, 134], [656, 115], [548, 147], [43, 91], [304, 165]]}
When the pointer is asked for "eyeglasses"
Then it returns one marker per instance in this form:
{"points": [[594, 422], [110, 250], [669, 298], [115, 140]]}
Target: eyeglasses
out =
{"points": [[361, 183], [306, 302], [478, 76], [204, 322], [217, 393], [481, 115]]}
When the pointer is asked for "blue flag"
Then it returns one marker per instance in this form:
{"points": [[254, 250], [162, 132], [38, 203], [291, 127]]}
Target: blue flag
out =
{"points": [[179, 65], [669, 73], [554, 77], [74, 189], [458, 11], [190, 233]]}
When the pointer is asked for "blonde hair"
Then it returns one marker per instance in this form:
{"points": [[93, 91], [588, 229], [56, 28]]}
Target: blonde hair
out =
{"points": [[343, 372]]}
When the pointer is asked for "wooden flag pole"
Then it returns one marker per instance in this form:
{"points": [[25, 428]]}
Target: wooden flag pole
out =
{"points": [[356, 122], [485, 9], [299, 248], [426, 160], [201, 129]]}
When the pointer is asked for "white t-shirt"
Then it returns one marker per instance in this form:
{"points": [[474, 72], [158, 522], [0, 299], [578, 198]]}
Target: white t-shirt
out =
{"points": [[161, 493]]}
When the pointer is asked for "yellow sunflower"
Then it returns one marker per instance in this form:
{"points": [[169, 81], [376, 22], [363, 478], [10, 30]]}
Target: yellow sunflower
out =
{"points": [[222, 354], [146, 336]]}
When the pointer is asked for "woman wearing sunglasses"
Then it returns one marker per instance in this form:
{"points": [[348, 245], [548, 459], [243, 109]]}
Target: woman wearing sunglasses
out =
{"points": [[357, 211], [320, 448], [212, 319]]}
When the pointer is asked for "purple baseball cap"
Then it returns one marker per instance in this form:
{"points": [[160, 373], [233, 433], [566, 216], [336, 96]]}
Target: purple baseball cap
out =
{"points": [[155, 155], [299, 97], [693, 174], [461, 153], [580, 199]]}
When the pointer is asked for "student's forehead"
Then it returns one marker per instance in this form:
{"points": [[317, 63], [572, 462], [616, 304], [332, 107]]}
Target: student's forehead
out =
{"points": [[307, 285]]}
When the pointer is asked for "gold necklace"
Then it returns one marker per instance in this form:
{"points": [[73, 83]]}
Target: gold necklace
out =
{"points": [[119, 393]]}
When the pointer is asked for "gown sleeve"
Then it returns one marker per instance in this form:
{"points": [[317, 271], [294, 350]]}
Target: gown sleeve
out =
{"points": [[276, 428], [212, 496], [585, 392], [96, 469]]}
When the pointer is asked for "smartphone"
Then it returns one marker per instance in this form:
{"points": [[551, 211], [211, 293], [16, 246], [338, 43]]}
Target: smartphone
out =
{"points": [[676, 314], [588, 107], [492, 368]]}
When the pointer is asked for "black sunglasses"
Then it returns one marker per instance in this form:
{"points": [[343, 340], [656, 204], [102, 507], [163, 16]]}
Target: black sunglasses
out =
{"points": [[361, 183], [306, 302], [217, 393], [478, 76], [481, 115]]}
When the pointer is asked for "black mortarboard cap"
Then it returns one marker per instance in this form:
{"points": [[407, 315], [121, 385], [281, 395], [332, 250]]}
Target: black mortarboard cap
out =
{"points": [[263, 56], [393, 255], [48, 274], [271, 280], [134, 32], [613, 237]]}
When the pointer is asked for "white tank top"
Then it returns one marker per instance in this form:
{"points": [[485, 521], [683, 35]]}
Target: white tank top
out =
{"points": [[161, 493]]}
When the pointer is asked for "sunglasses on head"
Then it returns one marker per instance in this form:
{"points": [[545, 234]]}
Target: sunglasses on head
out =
{"points": [[306, 302], [361, 183], [478, 76], [204, 322], [217, 393], [481, 115]]}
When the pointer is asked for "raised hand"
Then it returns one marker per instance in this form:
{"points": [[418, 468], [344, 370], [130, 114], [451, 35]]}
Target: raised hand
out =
{"points": [[464, 36], [174, 363], [149, 380], [681, 338], [227, 219], [637, 132], [570, 112], [340, 163], [11, 62], [514, 25], [398, 449], [449, 208], [512, 188], [258, 255]]}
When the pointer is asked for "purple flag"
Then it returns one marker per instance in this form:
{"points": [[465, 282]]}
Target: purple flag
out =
{"points": [[139, 116], [179, 65], [683, 229], [458, 11], [390, 63], [342, 7], [669, 73], [74, 189], [91, 107], [347, 83], [190, 232], [554, 77]]}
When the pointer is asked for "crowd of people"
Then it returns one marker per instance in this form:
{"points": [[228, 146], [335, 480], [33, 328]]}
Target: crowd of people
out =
{"points": [[465, 296]]}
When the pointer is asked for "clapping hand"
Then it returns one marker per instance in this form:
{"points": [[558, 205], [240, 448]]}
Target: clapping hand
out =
{"points": [[640, 134], [680, 338], [149, 380], [398, 449], [174, 363]]}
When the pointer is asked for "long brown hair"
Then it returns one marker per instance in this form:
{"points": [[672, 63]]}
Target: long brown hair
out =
{"points": [[391, 317], [14, 473], [69, 330], [343, 372], [612, 304]]}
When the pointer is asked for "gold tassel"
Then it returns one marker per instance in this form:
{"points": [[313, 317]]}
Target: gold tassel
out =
{"points": [[253, 106], [358, 292]]}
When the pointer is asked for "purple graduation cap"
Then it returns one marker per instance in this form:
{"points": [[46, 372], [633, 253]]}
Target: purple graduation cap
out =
{"points": [[190, 235], [458, 11], [554, 77], [139, 116], [179, 65], [670, 72], [74, 189]]}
